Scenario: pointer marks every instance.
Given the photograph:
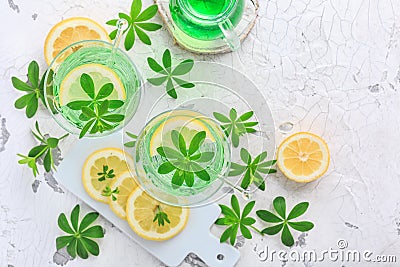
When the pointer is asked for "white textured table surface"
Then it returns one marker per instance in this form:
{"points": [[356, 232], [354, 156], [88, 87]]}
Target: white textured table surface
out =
{"points": [[330, 67]]}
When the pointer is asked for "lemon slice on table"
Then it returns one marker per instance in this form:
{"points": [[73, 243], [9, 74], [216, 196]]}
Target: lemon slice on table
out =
{"points": [[188, 126], [71, 90], [69, 31], [115, 159], [141, 210], [125, 184], [303, 157]]}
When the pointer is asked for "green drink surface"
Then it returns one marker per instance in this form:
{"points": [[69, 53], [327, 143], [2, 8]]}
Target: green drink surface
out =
{"points": [[199, 18], [118, 63], [207, 8]]}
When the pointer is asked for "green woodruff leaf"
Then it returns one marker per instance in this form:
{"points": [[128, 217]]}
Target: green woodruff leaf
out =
{"points": [[43, 151], [137, 25], [79, 240], [169, 74], [133, 137], [34, 90], [97, 112], [283, 223], [183, 160], [235, 126], [253, 170], [234, 220]]}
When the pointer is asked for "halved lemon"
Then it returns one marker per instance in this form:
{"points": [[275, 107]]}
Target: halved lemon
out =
{"points": [[141, 210], [70, 31], [303, 157], [71, 90], [115, 159], [187, 124], [125, 184]]}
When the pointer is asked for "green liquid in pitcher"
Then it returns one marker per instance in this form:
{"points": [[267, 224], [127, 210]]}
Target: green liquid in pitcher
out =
{"points": [[199, 18], [207, 8]]}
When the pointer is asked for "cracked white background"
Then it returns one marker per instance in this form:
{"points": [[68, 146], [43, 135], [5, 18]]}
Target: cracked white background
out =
{"points": [[330, 67]]}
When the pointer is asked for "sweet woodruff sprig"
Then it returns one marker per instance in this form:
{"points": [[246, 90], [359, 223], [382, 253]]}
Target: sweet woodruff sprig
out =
{"points": [[184, 161], [137, 24], [160, 216], [253, 169], [284, 223], [34, 89], [236, 126], [96, 112], [108, 192], [79, 239], [169, 74], [43, 151], [105, 174], [234, 220]]}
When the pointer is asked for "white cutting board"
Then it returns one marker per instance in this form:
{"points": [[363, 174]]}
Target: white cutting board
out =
{"points": [[196, 236]]}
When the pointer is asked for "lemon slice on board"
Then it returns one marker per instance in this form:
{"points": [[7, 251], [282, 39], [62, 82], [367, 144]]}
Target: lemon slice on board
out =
{"points": [[303, 157], [125, 184], [69, 31], [141, 210], [71, 90], [115, 159]]}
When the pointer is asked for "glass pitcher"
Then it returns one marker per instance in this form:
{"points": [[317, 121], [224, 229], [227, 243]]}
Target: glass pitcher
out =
{"points": [[208, 19]]}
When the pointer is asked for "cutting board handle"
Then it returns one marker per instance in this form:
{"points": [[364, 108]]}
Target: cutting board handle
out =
{"points": [[213, 253]]}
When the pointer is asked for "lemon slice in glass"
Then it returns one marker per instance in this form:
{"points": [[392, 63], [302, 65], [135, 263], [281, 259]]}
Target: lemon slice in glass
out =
{"points": [[71, 90], [188, 126]]}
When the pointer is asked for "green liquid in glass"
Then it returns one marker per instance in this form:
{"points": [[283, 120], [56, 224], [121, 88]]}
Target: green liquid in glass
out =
{"points": [[120, 64], [199, 18]]}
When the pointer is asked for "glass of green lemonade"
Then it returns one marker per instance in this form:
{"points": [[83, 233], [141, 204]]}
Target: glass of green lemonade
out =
{"points": [[92, 88], [208, 19], [182, 157]]}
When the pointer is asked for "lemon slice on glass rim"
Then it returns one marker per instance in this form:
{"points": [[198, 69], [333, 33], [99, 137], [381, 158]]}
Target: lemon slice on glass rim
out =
{"points": [[70, 31]]}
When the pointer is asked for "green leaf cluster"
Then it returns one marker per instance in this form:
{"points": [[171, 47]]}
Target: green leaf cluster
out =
{"points": [[284, 223], [108, 192], [234, 220], [170, 74], [161, 217], [236, 126], [34, 90], [183, 160], [253, 169], [105, 174], [79, 240], [96, 112], [44, 150], [137, 24]]}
